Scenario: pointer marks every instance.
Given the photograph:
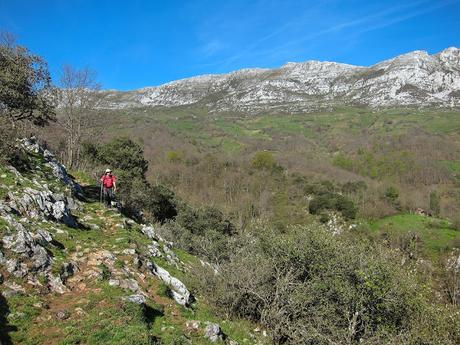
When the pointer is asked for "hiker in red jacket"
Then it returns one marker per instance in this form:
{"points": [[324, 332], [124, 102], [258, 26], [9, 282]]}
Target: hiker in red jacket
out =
{"points": [[109, 187]]}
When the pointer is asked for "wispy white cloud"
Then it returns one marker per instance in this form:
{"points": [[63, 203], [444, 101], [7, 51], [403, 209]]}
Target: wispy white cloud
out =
{"points": [[366, 23], [212, 47]]}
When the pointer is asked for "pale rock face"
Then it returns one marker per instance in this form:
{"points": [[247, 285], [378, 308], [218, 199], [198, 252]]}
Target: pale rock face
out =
{"points": [[179, 291], [213, 332], [59, 171], [412, 79]]}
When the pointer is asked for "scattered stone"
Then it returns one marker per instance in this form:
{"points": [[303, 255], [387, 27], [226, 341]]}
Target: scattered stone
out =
{"points": [[129, 284], [114, 282], [42, 204], [68, 269], [179, 291], [12, 289], [154, 249], [59, 171], [41, 259], [213, 332], [43, 237], [79, 311], [137, 299], [62, 315], [193, 325], [149, 232], [94, 226], [55, 284], [38, 305], [129, 251]]}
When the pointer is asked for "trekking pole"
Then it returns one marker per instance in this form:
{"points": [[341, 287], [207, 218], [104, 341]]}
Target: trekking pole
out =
{"points": [[100, 194]]}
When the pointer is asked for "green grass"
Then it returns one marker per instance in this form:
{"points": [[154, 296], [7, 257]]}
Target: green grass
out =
{"points": [[436, 235], [453, 167]]}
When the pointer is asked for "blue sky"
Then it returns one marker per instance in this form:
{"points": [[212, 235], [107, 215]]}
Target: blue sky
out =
{"points": [[132, 44]]}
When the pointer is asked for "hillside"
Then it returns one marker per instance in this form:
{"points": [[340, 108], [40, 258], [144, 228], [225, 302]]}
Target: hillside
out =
{"points": [[72, 271], [317, 203], [414, 79]]}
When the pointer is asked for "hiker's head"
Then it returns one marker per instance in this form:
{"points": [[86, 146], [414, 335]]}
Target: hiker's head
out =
{"points": [[108, 172]]}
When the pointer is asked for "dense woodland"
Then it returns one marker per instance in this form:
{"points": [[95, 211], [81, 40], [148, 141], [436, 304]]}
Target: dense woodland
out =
{"points": [[312, 221]]}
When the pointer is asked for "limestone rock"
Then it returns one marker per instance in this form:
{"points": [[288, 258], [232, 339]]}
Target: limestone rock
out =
{"points": [[149, 232], [55, 284], [68, 269], [137, 299], [193, 325], [179, 291], [42, 204], [213, 332], [59, 171], [129, 284]]}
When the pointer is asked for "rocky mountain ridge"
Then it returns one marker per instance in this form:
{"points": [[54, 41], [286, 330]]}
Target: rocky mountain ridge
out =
{"points": [[413, 79]]}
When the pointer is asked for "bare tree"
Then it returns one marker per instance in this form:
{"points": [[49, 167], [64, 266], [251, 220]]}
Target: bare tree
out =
{"points": [[78, 98]]}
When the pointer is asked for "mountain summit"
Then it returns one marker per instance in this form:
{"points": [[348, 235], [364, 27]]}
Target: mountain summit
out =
{"points": [[412, 79]]}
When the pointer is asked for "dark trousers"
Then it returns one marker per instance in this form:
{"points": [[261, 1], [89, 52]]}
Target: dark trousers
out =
{"points": [[108, 196]]}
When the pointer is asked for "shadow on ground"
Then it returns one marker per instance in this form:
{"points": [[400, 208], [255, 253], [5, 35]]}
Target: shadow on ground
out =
{"points": [[92, 193], [5, 327]]}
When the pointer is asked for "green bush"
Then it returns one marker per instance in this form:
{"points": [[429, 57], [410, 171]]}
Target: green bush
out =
{"points": [[343, 162], [264, 160], [158, 203], [198, 222], [174, 156], [7, 141], [332, 201], [311, 287], [204, 232], [435, 203], [354, 187], [123, 154]]}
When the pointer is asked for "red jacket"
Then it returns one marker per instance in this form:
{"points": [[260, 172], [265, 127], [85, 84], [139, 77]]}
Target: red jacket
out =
{"points": [[108, 180]]}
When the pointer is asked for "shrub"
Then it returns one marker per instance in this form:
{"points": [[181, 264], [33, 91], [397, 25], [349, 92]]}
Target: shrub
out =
{"points": [[204, 232], [311, 287], [124, 154], [174, 156], [435, 203], [263, 160], [354, 187], [7, 140], [158, 203], [200, 221], [332, 201], [392, 194], [343, 162]]}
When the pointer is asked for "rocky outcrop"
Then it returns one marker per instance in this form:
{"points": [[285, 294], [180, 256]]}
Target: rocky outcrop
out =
{"points": [[213, 332], [58, 170], [179, 291], [42, 204]]}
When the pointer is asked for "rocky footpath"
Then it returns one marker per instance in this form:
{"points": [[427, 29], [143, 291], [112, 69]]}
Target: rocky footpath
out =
{"points": [[59, 253]]}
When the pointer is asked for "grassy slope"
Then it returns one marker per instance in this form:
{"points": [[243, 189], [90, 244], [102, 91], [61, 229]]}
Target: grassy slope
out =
{"points": [[437, 236], [96, 313], [237, 133], [240, 129]]}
